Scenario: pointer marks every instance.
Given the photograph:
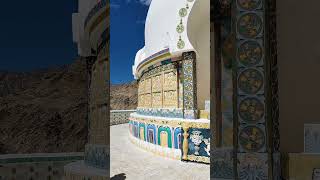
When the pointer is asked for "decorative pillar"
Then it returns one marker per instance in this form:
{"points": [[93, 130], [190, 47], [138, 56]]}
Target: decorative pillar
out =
{"points": [[189, 85], [254, 78], [185, 145]]}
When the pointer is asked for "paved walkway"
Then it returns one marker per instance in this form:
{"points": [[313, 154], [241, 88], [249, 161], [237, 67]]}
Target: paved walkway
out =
{"points": [[131, 162]]}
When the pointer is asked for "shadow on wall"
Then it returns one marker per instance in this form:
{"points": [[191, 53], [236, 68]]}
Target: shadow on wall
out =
{"points": [[121, 176]]}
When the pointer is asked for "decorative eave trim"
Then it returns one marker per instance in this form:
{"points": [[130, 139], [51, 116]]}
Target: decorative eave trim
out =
{"points": [[155, 55]]}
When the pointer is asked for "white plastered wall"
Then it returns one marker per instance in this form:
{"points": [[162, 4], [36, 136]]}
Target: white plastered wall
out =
{"points": [[199, 36]]}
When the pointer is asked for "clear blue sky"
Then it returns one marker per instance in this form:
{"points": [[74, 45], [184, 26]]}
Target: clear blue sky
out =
{"points": [[127, 36], [36, 34]]}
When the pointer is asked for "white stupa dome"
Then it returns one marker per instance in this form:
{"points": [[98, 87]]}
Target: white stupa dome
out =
{"points": [[161, 24]]}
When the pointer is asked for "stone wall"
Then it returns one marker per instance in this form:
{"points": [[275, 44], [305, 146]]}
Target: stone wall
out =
{"points": [[120, 116], [36, 166]]}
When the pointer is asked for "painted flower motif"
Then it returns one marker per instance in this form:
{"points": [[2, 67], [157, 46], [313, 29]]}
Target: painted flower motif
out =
{"points": [[250, 53], [250, 81], [249, 4], [180, 27], [251, 109], [183, 12], [253, 167], [249, 25], [180, 43], [251, 138]]}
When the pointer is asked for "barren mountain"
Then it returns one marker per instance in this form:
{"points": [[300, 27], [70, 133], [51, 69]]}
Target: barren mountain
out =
{"points": [[124, 96], [46, 110]]}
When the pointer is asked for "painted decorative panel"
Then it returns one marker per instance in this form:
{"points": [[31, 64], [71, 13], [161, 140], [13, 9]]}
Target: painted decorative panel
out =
{"points": [[180, 87], [156, 83], [171, 138], [135, 129], [164, 137], [178, 138], [162, 83], [152, 134], [170, 80], [170, 99], [142, 131], [198, 145], [253, 83], [252, 138], [156, 100], [161, 112], [189, 85], [147, 100], [147, 85], [249, 25], [249, 5], [141, 87], [253, 166], [250, 81], [222, 166], [250, 53], [251, 109]]}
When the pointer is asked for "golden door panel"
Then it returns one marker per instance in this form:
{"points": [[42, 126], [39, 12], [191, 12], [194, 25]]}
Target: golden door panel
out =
{"points": [[170, 99], [142, 87], [147, 85], [147, 100], [157, 100], [157, 83], [170, 81], [142, 100]]}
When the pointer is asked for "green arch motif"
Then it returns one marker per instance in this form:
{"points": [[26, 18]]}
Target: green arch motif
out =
{"points": [[168, 130], [144, 130]]}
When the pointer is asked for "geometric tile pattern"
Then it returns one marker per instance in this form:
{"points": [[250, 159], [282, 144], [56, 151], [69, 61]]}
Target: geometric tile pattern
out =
{"points": [[189, 85], [253, 166], [253, 62], [252, 82], [97, 155]]}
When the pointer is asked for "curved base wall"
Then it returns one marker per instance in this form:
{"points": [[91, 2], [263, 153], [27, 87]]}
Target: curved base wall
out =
{"points": [[175, 138], [156, 149]]}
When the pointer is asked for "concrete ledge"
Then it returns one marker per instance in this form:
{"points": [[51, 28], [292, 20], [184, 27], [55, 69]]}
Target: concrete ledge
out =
{"points": [[40, 157], [79, 170]]}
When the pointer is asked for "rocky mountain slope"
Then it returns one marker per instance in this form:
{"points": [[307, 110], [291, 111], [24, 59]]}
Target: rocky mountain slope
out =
{"points": [[46, 110], [124, 96]]}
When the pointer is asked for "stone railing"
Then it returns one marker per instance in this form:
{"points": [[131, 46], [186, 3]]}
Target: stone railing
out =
{"points": [[36, 166], [120, 116]]}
